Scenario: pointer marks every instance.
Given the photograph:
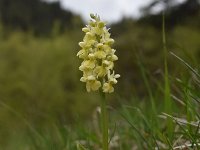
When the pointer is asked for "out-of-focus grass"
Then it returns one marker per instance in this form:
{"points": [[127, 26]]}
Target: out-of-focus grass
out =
{"points": [[39, 79], [184, 114]]}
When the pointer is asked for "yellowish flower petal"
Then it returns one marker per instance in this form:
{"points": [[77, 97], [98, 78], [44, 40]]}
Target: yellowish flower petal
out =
{"points": [[81, 44], [101, 24], [85, 29], [110, 41], [82, 54], [100, 54], [114, 57], [91, 78], [95, 85], [83, 79], [108, 88], [108, 64], [89, 64], [100, 71], [107, 49], [88, 87], [117, 76]]}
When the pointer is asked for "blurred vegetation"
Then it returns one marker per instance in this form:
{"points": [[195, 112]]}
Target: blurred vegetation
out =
{"points": [[39, 76], [36, 16], [142, 39]]}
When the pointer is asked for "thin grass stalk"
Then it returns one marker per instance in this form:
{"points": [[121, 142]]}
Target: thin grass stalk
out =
{"points": [[167, 97], [147, 84]]}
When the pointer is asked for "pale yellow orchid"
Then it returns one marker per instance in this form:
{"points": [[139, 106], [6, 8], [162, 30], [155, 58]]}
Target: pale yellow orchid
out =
{"points": [[98, 57]]}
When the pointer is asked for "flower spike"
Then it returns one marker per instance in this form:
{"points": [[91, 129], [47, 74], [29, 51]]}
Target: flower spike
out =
{"points": [[98, 57]]}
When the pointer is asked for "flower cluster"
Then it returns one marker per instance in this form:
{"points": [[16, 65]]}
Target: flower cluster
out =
{"points": [[98, 57]]}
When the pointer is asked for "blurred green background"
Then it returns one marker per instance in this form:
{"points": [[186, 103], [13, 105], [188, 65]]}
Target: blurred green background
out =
{"points": [[39, 76]]}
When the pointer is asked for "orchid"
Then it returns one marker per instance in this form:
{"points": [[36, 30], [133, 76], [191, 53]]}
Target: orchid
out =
{"points": [[98, 57]]}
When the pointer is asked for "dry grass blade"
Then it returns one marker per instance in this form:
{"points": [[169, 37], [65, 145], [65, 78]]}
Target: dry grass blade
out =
{"points": [[186, 146], [179, 120]]}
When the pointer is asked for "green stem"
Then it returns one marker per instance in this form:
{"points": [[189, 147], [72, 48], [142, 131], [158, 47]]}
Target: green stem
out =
{"points": [[168, 102], [104, 121]]}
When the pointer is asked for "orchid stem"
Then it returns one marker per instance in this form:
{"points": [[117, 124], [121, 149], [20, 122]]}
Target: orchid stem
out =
{"points": [[104, 121]]}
